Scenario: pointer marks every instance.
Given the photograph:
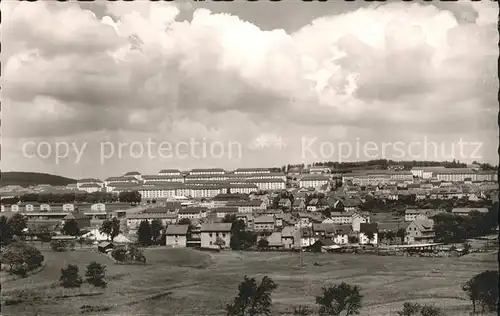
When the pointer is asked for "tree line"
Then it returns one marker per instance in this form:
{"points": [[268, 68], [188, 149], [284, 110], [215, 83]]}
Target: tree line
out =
{"points": [[254, 299], [410, 201], [133, 197], [450, 228], [384, 163]]}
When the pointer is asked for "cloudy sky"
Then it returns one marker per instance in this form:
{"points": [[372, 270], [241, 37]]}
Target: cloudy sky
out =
{"points": [[260, 84]]}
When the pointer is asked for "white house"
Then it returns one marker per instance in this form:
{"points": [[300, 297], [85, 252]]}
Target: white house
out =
{"points": [[357, 219], [90, 187], [193, 212], [313, 181], [98, 207], [68, 207], [341, 236], [212, 232], [221, 212], [170, 172], [176, 235]]}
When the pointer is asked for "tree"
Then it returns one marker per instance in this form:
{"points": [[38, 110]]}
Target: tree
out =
{"points": [[22, 258], [133, 197], [156, 229], [340, 298], [429, 310], [252, 300], [70, 228], [353, 239], [483, 289], [219, 242], [370, 235], [184, 221], [111, 228], [401, 233], [70, 277], [390, 235], [413, 309], [95, 274], [17, 224], [5, 231], [144, 234], [410, 309], [301, 311], [263, 244]]}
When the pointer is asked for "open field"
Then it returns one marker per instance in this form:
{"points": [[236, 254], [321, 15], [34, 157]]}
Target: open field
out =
{"points": [[187, 282]]}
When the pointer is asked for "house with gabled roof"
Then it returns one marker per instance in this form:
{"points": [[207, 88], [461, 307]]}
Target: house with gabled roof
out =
{"points": [[357, 219], [411, 214], [290, 237], [420, 231], [298, 205], [341, 235], [275, 240], [264, 223], [465, 211], [211, 233], [176, 235], [321, 230]]}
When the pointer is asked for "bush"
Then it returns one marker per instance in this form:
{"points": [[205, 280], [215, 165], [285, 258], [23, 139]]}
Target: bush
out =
{"points": [[69, 277], [58, 245], [119, 254], [19, 270], [22, 258], [95, 274]]}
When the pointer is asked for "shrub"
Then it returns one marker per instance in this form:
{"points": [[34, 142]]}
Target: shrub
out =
{"points": [[119, 254], [19, 270], [58, 245], [69, 277], [95, 274]]}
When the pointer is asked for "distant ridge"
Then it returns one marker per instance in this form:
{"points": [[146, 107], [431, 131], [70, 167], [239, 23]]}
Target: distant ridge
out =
{"points": [[26, 179]]}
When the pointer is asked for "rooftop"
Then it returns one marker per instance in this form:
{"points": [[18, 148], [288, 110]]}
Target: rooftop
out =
{"points": [[216, 227], [177, 229]]}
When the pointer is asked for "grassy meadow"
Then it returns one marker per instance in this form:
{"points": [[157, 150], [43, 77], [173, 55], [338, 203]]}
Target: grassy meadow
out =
{"points": [[188, 282]]}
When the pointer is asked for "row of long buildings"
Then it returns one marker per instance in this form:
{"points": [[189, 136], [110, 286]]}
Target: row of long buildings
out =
{"points": [[198, 183]]}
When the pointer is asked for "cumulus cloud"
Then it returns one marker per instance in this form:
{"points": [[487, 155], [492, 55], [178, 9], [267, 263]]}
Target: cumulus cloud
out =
{"points": [[411, 68]]}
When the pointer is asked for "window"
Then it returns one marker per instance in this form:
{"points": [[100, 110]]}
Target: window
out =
{"points": [[210, 236], [224, 235]]}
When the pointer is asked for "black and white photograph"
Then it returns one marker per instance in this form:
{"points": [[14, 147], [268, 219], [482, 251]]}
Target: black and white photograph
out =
{"points": [[249, 158]]}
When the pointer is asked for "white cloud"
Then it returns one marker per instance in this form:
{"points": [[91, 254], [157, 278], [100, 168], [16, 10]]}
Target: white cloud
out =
{"points": [[395, 67]]}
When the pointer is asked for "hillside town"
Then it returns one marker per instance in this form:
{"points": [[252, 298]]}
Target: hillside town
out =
{"points": [[289, 208]]}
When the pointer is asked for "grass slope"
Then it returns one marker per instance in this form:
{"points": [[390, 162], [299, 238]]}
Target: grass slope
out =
{"points": [[187, 282], [32, 178]]}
